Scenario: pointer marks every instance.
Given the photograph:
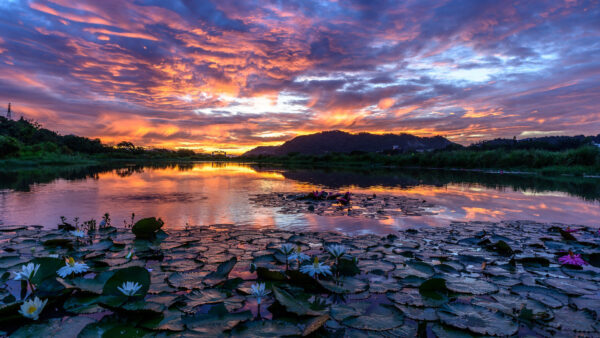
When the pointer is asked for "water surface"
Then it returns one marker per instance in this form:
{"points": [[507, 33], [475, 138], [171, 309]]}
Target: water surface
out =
{"points": [[211, 193]]}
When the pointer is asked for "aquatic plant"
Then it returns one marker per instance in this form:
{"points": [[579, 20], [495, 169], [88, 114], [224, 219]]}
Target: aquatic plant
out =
{"points": [[316, 268], [286, 249], [129, 288], [27, 272], [32, 308], [336, 250], [105, 222], [572, 259], [78, 233], [147, 228], [129, 255], [298, 255], [72, 267], [259, 291]]}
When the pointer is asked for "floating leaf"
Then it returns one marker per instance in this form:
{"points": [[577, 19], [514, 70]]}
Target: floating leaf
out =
{"points": [[293, 304], [470, 285], [266, 328], [345, 285], [382, 317], [147, 228], [217, 320], [221, 273], [133, 274], [56, 327], [477, 319]]}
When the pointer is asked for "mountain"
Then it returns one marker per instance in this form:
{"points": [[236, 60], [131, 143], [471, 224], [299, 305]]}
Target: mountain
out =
{"points": [[342, 142]]}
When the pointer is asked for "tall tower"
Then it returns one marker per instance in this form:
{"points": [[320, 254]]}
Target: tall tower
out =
{"points": [[8, 114]]}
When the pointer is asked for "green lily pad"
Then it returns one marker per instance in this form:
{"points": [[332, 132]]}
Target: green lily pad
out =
{"points": [[477, 319], [221, 273], [294, 304], [93, 285], [414, 268], [266, 328], [55, 327], [10, 261], [413, 297], [470, 285], [147, 228], [345, 285], [48, 268], [217, 320], [133, 274], [382, 317], [187, 280], [83, 304], [168, 321]]}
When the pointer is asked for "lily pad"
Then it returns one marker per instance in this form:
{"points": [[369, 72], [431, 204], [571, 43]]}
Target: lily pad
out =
{"points": [[382, 317], [477, 319], [55, 327], [293, 304], [133, 274], [217, 320], [345, 285], [470, 285], [147, 228], [266, 328]]}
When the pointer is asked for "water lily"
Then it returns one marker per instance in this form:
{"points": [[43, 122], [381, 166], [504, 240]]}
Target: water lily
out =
{"points": [[258, 291], [27, 272], [344, 200], [129, 288], [336, 250], [32, 308], [298, 255], [572, 259], [77, 233], [72, 267], [287, 249], [316, 268]]}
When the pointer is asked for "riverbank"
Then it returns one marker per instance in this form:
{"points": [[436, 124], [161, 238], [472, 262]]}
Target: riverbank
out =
{"points": [[480, 278], [583, 161]]}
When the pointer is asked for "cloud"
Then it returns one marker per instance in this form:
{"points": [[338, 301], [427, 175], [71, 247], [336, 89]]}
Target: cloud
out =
{"points": [[233, 75]]}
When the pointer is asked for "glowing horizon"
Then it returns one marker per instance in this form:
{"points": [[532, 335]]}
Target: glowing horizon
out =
{"points": [[230, 75]]}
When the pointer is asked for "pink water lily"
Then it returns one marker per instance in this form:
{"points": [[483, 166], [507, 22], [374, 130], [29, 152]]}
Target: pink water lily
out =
{"points": [[572, 259]]}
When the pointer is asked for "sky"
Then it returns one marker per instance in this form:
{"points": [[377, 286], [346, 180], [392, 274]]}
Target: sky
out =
{"points": [[232, 75]]}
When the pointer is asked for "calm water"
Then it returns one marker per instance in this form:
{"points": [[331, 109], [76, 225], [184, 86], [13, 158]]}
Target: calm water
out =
{"points": [[210, 193]]}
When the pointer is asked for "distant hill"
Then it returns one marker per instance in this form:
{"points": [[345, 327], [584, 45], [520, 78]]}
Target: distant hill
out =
{"points": [[342, 142]]}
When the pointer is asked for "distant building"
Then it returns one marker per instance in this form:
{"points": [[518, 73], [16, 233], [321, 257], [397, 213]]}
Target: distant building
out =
{"points": [[219, 153]]}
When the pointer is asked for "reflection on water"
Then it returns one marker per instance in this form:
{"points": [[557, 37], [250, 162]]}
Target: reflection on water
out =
{"points": [[210, 193]]}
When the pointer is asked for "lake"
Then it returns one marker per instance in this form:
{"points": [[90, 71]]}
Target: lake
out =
{"points": [[217, 193]]}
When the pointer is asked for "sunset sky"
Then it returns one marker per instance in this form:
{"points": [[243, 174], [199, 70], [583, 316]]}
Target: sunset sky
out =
{"points": [[232, 75]]}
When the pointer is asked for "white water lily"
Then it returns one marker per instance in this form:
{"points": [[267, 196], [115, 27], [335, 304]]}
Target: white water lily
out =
{"points": [[258, 291], [129, 288], [316, 268], [72, 267], [32, 308], [77, 233], [298, 255], [27, 272], [287, 249], [336, 250]]}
